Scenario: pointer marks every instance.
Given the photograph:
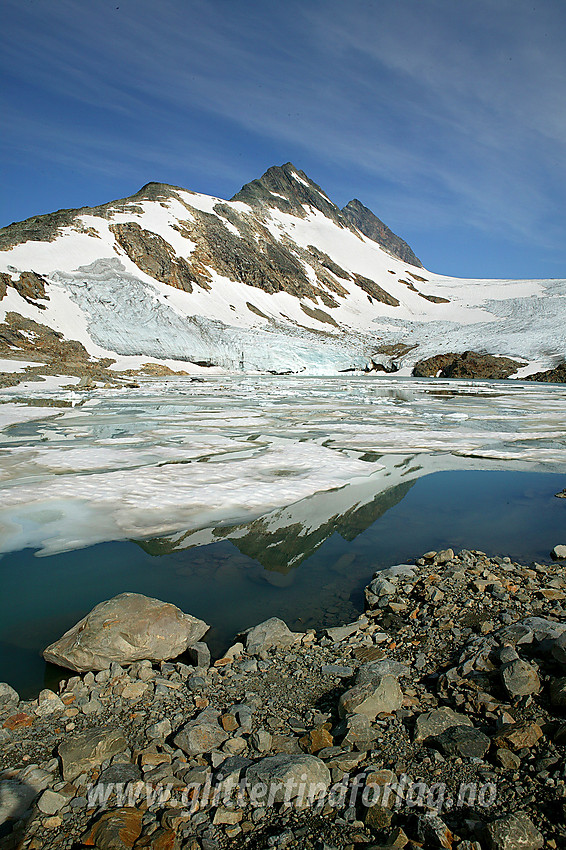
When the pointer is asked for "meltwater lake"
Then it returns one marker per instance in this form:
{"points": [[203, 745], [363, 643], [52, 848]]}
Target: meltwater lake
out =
{"points": [[240, 498]]}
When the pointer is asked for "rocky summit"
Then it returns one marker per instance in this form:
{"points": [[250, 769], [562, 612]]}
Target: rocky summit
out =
{"points": [[434, 720], [278, 279]]}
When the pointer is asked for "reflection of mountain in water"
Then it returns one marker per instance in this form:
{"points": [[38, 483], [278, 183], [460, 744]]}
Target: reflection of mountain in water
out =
{"points": [[284, 539]]}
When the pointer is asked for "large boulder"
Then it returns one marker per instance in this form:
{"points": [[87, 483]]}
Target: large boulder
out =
{"points": [[79, 753], [381, 695], [130, 627], [283, 777], [271, 633]]}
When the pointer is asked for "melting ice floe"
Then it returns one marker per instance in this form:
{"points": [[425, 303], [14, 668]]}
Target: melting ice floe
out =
{"points": [[174, 456]]}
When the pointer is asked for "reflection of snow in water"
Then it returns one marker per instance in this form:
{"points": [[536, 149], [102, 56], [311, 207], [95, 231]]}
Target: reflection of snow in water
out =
{"points": [[176, 455]]}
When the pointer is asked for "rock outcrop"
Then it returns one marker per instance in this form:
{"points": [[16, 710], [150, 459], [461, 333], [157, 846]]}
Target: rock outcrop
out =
{"points": [[470, 364]]}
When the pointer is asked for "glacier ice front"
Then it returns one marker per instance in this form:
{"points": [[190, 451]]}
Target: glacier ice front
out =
{"points": [[177, 456]]}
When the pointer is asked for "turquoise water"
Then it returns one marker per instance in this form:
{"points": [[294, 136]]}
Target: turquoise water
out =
{"points": [[504, 513]]}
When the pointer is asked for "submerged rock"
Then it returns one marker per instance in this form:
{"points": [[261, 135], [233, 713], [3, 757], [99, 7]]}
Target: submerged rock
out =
{"points": [[127, 628]]}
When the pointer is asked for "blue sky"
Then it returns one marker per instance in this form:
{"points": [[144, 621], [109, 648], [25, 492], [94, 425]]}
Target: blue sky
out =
{"points": [[446, 117]]}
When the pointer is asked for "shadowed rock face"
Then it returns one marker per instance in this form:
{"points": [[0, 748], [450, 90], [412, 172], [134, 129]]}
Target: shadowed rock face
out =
{"points": [[371, 226], [287, 188], [470, 364]]}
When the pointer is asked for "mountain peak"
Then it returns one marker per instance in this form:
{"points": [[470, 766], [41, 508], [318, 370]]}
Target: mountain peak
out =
{"points": [[371, 226], [288, 189]]}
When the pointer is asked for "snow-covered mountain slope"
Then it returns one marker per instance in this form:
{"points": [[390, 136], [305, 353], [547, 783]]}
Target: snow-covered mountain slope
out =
{"points": [[276, 279]]}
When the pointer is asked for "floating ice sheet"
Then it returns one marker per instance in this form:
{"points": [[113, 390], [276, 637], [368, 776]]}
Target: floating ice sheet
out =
{"points": [[175, 455]]}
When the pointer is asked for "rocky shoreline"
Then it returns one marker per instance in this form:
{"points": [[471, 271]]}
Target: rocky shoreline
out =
{"points": [[434, 720]]}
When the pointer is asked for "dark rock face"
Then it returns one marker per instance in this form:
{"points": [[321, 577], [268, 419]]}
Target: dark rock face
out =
{"points": [[373, 289], [287, 188], [29, 337], [553, 376], [470, 364], [154, 256], [371, 226], [266, 264]]}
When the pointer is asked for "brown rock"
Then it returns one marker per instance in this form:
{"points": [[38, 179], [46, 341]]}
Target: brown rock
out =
{"points": [[162, 839], [18, 721], [316, 740], [118, 829], [516, 736], [470, 364]]}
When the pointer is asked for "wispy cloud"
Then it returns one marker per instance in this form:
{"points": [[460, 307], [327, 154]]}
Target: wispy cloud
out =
{"points": [[447, 111]]}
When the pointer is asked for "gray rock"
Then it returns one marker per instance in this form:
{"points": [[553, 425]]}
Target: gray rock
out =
{"points": [[464, 741], [394, 573], [120, 773], [81, 752], [339, 633], [127, 628], [356, 730], [433, 723], [379, 696], [507, 654], [542, 629], [18, 793], [51, 802], [444, 556], [282, 774], [8, 696], [201, 735], [514, 832], [380, 586], [262, 740], [520, 678], [271, 633], [15, 799], [559, 649], [199, 654], [339, 670], [160, 730], [558, 692], [375, 670], [559, 552], [232, 768]]}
